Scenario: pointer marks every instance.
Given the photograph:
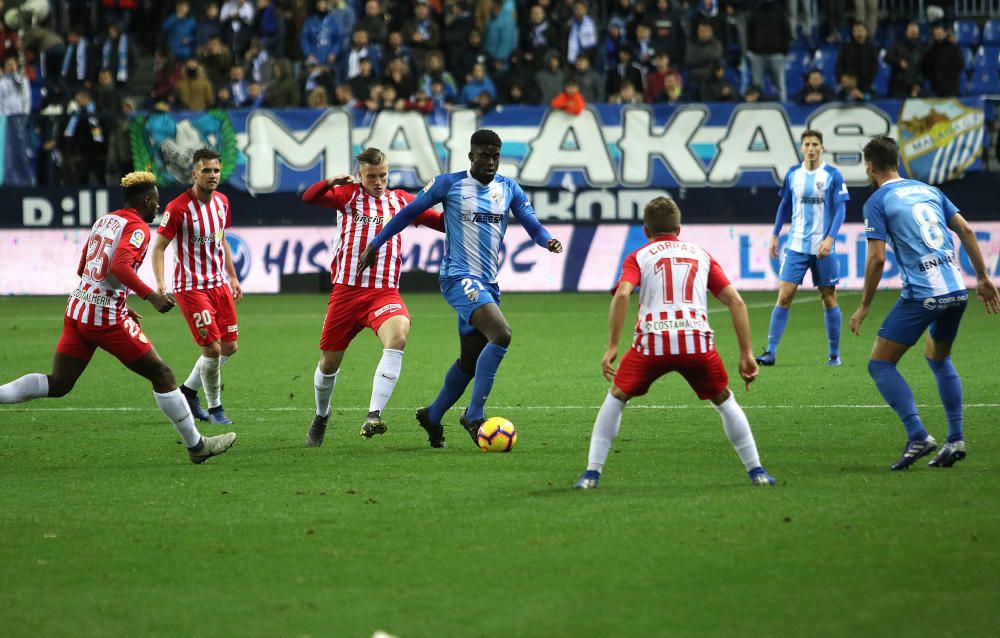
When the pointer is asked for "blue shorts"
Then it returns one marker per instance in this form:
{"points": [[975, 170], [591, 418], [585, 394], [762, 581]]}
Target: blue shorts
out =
{"points": [[910, 317], [465, 295], [825, 270]]}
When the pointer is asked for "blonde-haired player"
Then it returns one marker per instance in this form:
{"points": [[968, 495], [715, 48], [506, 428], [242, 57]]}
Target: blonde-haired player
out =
{"points": [[97, 317]]}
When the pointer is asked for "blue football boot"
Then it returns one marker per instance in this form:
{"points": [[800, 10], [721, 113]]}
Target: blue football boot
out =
{"points": [[759, 476], [218, 416], [588, 480]]}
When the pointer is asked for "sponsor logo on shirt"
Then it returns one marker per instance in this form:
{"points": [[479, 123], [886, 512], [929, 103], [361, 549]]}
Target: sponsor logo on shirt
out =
{"points": [[205, 239], [389, 307], [811, 200], [481, 218], [945, 302], [662, 325], [368, 219], [935, 261], [138, 237], [233, 328], [96, 299]]}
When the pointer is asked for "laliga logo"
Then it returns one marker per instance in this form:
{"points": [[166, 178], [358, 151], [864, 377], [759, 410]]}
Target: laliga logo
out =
{"points": [[930, 303], [241, 255]]}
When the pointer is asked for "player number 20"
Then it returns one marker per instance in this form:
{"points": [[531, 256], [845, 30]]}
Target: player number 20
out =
{"points": [[930, 227], [201, 319], [667, 266]]}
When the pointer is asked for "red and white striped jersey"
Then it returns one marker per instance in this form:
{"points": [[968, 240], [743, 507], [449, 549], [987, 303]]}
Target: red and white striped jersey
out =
{"points": [[199, 228], [362, 216], [100, 298], [674, 278]]}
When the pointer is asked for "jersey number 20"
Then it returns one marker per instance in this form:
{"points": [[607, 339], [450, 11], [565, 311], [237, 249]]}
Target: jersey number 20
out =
{"points": [[666, 266]]}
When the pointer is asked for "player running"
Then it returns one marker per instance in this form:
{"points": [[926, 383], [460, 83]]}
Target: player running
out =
{"points": [[476, 202], [97, 317], [813, 197], [914, 219], [203, 264], [672, 334], [357, 301]]}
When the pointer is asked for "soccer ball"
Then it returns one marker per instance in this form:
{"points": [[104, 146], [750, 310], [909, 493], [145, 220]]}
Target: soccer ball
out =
{"points": [[496, 435]]}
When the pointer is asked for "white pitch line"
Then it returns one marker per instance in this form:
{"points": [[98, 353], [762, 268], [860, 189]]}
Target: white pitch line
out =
{"points": [[514, 408]]}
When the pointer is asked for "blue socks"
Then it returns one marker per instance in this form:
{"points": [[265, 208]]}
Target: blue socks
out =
{"points": [[898, 395], [486, 371], [779, 319], [455, 382], [832, 318], [950, 389]]}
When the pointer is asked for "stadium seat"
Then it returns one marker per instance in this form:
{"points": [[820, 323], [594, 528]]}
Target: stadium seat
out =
{"points": [[969, 55], [988, 57], [966, 33], [880, 87], [983, 82], [991, 32], [826, 61]]}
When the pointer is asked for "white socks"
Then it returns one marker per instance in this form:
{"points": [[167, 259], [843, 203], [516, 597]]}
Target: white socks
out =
{"points": [[386, 375], [211, 380], [194, 379], [323, 385], [606, 425], [175, 406], [738, 430], [28, 387]]}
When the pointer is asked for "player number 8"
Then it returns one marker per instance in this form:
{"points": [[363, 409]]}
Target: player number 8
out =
{"points": [[930, 229]]}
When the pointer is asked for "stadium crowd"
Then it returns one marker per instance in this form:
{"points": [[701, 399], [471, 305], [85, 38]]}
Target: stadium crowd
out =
{"points": [[81, 67]]}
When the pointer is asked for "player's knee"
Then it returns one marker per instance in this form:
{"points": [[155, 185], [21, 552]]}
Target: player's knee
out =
{"points": [[212, 350], [229, 348], [875, 366], [396, 341], [59, 387], [502, 337], [163, 376]]}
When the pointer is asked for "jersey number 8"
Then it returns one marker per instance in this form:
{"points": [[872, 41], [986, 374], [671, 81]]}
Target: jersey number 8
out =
{"points": [[930, 228]]}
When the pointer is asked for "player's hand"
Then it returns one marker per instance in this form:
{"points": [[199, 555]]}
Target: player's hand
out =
{"points": [[136, 317], [748, 369], [856, 319], [607, 363], [341, 179], [161, 288], [987, 293], [825, 247], [367, 259], [162, 303], [772, 249], [234, 285], [554, 246]]}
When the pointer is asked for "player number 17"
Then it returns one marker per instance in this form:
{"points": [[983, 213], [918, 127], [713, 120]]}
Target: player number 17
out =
{"points": [[667, 266]]}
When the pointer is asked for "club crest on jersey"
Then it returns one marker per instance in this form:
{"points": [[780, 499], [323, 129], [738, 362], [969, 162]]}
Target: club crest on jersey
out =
{"points": [[472, 294], [138, 237], [203, 332], [166, 218]]}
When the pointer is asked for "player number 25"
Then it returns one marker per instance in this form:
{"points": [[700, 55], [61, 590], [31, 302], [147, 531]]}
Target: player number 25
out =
{"points": [[666, 266], [930, 227], [98, 260]]}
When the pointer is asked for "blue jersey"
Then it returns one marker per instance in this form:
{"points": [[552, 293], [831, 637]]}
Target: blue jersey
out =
{"points": [[912, 218], [813, 200], [475, 220]]}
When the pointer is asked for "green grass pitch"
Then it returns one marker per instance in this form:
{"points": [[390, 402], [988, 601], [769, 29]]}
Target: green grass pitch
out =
{"points": [[106, 529]]}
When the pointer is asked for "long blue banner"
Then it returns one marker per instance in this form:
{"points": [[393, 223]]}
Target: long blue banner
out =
{"points": [[605, 147]]}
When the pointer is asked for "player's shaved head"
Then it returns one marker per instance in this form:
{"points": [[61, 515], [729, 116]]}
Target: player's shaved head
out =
{"points": [[883, 153], [136, 185], [661, 216]]}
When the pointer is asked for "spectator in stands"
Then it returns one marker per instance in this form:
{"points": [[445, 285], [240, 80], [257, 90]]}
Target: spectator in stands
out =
{"points": [[768, 40], [119, 157], [500, 35], [703, 54], [614, 40], [540, 37], [858, 58], [421, 33], [224, 98], [258, 63], [255, 95], [815, 90], [808, 21], [473, 53], [119, 12], [118, 55], [282, 91], [516, 85], [570, 99], [396, 48], [866, 12], [209, 26], [269, 28], [707, 12], [627, 95], [478, 82], [717, 88], [317, 76], [317, 99], [588, 81], [390, 100], [82, 143], [9, 41], [166, 73], [550, 80], [644, 52], [194, 91], [320, 39], [656, 80], [484, 104], [216, 60], [181, 31], [344, 15], [350, 61], [581, 39], [667, 30], [343, 95], [753, 95], [15, 92], [373, 21], [398, 76], [625, 69], [434, 71], [363, 82], [943, 64], [236, 17], [77, 62], [106, 98], [850, 91], [239, 90], [455, 36], [904, 57], [623, 11]]}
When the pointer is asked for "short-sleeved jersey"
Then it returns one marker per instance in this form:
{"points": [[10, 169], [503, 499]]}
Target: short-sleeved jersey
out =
{"points": [[361, 217], [674, 278], [100, 298], [813, 196], [475, 220], [912, 218], [199, 231]]}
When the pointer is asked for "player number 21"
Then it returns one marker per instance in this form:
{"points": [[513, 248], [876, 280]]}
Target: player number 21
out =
{"points": [[666, 266]]}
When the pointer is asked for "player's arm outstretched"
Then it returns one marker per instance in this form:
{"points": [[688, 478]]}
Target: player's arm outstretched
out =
{"points": [[616, 320], [731, 299], [523, 212], [427, 198], [986, 290]]}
